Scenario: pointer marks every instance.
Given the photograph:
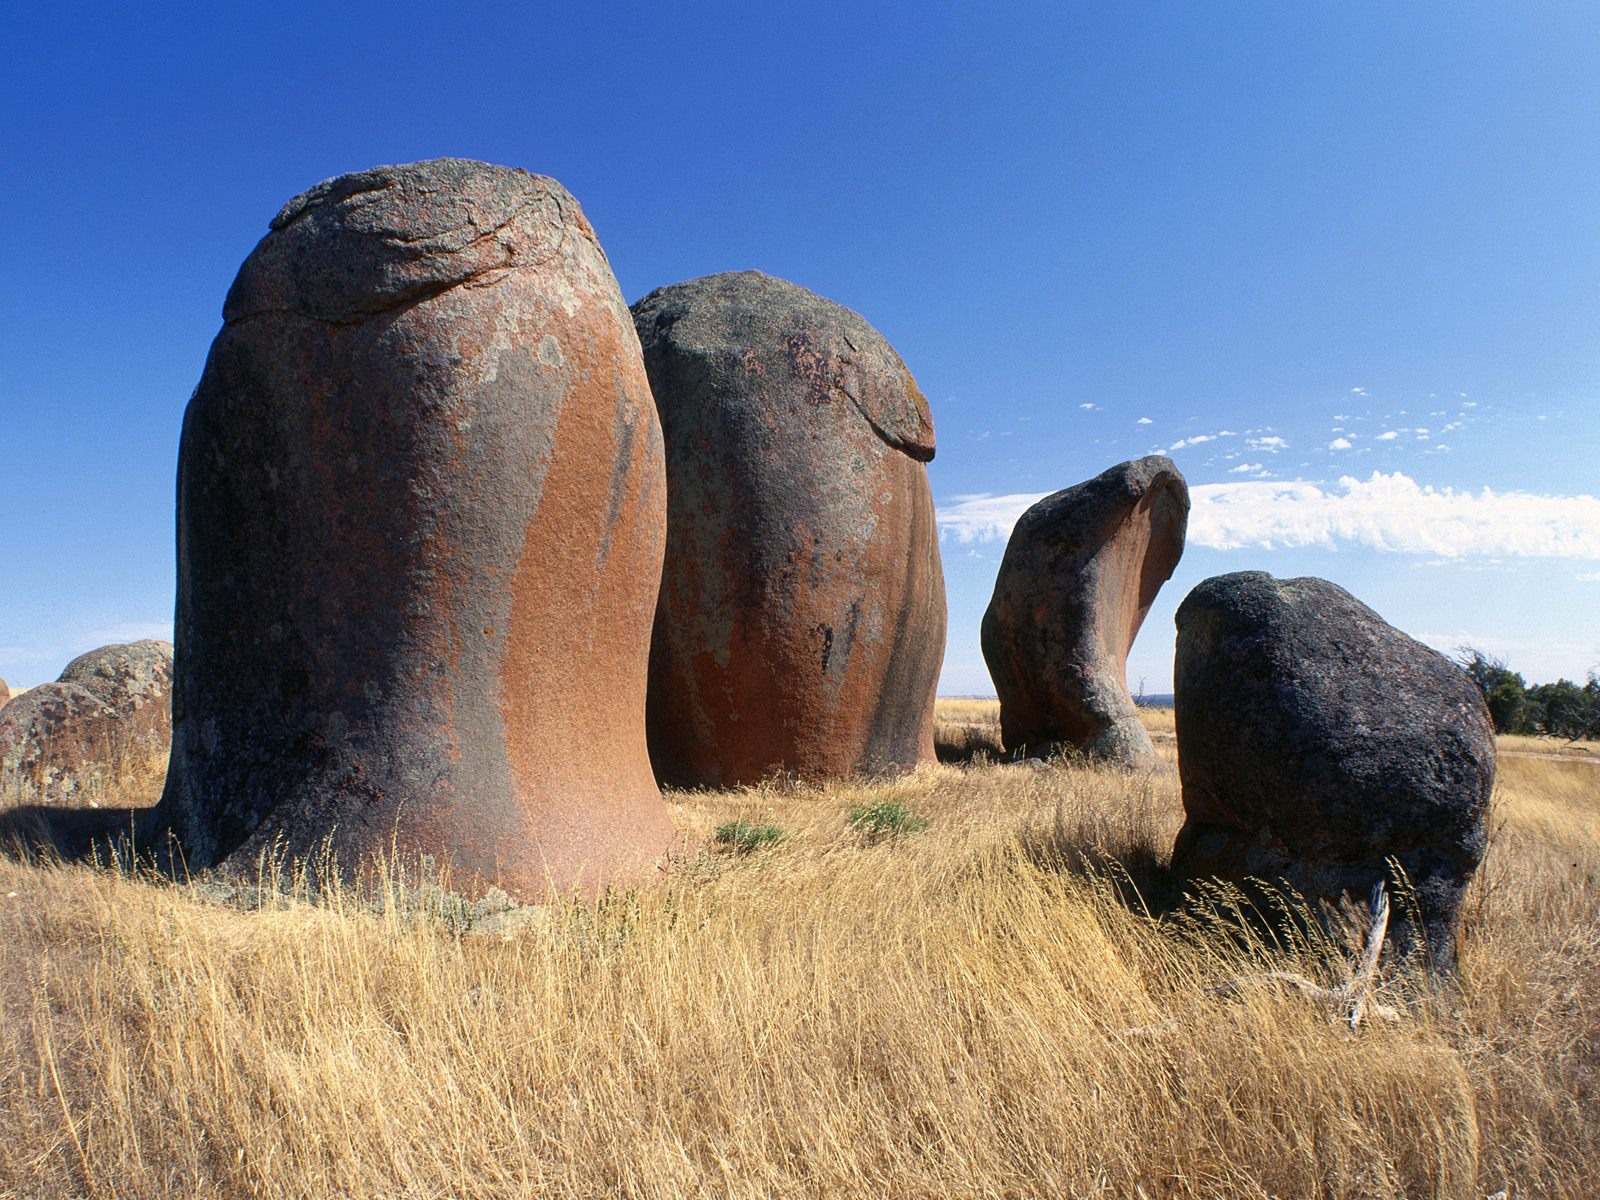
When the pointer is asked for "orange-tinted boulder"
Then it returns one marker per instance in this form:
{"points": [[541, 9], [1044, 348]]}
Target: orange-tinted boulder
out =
{"points": [[1079, 574], [802, 615], [106, 717], [421, 506]]}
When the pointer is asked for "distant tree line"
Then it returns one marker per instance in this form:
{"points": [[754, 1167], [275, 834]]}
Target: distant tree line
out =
{"points": [[1562, 709]]}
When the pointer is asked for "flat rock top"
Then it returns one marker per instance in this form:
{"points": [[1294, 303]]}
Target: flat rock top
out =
{"points": [[741, 322], [374, 240]]}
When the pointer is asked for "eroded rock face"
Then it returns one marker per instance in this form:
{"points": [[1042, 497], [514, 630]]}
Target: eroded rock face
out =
{"points": [[1079, 574], [70, 741], [421, 512], [1315, 741], [802, 615]]}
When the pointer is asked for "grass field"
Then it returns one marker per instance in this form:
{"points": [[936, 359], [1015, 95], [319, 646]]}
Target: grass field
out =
{"points": [[981, 1007]]}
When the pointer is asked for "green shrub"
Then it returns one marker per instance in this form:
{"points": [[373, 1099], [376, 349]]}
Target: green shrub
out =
{"points": [[743, 837], [887, 818]]}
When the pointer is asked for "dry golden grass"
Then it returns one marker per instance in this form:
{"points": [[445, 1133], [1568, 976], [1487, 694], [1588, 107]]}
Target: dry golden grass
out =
{"points": [[979, 1009]]}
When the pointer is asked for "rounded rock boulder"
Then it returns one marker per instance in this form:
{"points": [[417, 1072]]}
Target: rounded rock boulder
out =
{"points": [[421, 508], [802, 615], [1316, 742]]}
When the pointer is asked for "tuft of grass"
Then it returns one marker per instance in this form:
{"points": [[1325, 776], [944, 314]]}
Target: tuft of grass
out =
{"points": [[887, 818], [746, 837]]}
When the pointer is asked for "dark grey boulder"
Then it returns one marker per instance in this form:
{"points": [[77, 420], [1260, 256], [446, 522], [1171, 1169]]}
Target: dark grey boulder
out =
{"points": [[1080, 572], [1316, 743]]}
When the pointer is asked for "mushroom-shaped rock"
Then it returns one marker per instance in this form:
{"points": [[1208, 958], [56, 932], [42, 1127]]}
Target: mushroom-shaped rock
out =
{"points": [[1316, 742], [1079, 574], [110, 712], [421, 508], [802, 615]]}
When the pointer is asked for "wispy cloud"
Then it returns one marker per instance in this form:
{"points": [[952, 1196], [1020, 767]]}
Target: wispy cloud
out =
{"points": [[1088, 407], [1391, 513], [1270, 444], [1143, 421], [1341, 444]]}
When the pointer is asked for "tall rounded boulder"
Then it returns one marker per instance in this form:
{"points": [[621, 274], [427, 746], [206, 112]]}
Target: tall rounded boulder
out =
{"points": [[421, 508], [1079, 574], [1316, 742], [802, 616]]}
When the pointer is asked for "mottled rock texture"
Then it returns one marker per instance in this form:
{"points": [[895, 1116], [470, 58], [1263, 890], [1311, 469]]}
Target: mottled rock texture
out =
{"points": [[802, 614], [69, 742], [1315, 741], [1079, 574], [421, 508]]}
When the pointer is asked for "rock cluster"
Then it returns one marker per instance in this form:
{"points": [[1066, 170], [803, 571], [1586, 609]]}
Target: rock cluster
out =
{"points": [[421, 512], [1079, 574], [68, 742], [1317, 743], [802, 614]]}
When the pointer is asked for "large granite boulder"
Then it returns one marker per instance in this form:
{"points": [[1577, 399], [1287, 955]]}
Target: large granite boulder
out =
{"points": [[104, 719], [1316, 742], [1079, 574], [802, 614], [421, 508]]}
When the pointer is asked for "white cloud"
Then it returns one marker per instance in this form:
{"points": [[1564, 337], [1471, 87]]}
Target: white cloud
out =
{"points": [[1387, 435], [1270, 444], [1196, 440], [1391, 513], [1589, 576], [1143, 421], [1341, 444], [1244, 468], [1358, 391], [1087, 407]]}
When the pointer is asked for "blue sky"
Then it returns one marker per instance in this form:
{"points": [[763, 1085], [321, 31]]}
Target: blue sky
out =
{"points": [[1262, 237]]}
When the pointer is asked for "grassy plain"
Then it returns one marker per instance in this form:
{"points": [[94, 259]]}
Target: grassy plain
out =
{"points": [[979, 1008]]}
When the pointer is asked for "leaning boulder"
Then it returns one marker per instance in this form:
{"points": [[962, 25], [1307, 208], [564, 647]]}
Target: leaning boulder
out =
{"points": [[72, 741], [421, 507], [1316, 742], [1079, 574], [802, 615]]}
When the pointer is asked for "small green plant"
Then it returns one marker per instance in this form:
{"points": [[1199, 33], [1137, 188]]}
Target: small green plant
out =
{"points": [[744, 837], [887, 818]]}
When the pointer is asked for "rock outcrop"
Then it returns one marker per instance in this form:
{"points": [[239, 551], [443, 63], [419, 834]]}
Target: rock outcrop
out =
{"points": [[1079, 574], [70, 742], [421, 508], [802, 615], [1316, 742]]}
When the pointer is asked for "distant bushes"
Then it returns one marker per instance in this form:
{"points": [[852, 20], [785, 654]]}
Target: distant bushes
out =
{"points": [[1562, 709]]}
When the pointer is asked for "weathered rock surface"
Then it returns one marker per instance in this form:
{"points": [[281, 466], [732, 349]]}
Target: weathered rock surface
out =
{"points": [[5, 693], [1079, 574], [68, 742], [802, 614], [421, 513], [1315, 741]]}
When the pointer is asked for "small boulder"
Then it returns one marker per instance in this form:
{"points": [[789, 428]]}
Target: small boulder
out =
{"points": [[70, 741], [1079, 574], [802, 614], [1316, 742]]}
